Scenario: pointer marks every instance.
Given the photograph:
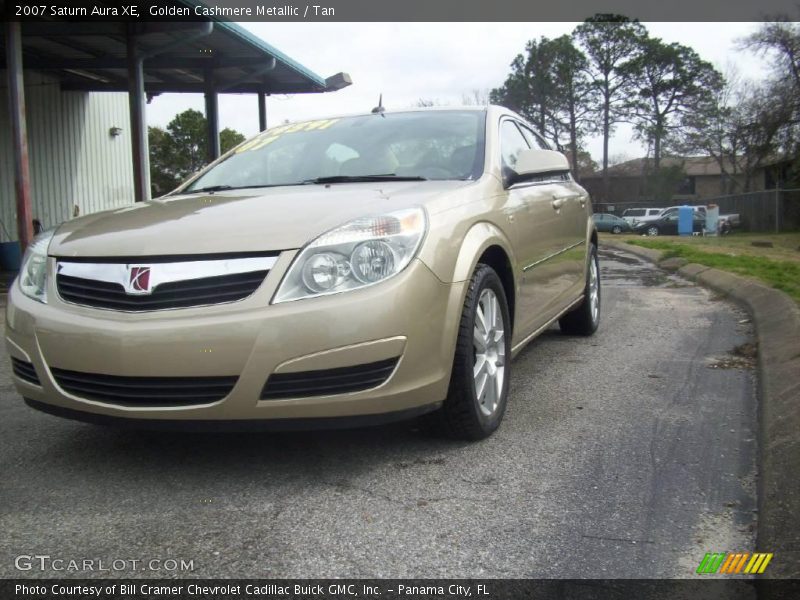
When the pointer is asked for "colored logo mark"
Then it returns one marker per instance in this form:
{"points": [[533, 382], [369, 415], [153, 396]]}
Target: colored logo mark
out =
{"points": [[734, 563]]}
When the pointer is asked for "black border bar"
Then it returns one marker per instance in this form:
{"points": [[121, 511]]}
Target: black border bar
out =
{"points": [[397, 11], [391, 589]]}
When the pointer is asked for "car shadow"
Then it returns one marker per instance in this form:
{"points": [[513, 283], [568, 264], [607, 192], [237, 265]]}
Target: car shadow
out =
{"points": [[97, 453]]}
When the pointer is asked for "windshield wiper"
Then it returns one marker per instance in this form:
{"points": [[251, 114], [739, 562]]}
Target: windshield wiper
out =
{"points": [[364, 178], [225, 188], [210, 188], [331, 179]]}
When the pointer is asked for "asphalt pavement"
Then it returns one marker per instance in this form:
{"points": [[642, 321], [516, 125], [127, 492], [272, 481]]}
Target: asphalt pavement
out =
{"points": [[628, 454]]}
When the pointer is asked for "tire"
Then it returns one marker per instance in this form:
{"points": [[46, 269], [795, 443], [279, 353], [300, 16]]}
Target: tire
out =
{"points": [[652, 231], [616, 229], [466, 413], [584, 319]]}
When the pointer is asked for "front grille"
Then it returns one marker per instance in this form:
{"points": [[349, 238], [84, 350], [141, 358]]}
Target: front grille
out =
{"points": [[328, 381], [24, 370], [144, 391], [175, 294]]}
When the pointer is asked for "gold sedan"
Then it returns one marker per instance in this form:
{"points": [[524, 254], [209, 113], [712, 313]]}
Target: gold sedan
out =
{"points": [[335, 272]]}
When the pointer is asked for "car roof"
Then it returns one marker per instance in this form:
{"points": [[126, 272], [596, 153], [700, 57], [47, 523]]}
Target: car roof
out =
{"points": [[390, 112], [492, 109]]}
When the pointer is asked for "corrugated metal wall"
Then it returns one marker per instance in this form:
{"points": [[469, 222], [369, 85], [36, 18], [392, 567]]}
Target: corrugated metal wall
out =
{"points": [[74, 160]]}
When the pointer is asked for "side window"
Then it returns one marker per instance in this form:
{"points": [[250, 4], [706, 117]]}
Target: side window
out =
{"points": [[534, 140], [511, 144]]}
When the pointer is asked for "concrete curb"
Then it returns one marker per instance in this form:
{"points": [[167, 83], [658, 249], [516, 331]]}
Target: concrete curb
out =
{"points": [[777, 322]]}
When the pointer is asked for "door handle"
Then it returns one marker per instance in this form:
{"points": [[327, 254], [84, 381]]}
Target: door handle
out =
{"points": [[559, 201]]}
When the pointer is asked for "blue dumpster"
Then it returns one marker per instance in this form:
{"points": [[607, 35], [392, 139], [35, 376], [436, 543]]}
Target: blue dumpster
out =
{"points": [[685, 220]]}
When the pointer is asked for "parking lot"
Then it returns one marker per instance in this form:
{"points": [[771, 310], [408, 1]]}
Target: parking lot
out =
{"points": [[628, 454]]}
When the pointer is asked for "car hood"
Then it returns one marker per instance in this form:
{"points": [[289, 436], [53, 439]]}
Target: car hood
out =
{"points": [[250, 220]]}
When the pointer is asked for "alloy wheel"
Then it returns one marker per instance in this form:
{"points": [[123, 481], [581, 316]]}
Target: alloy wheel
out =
{"points": [[594, 291], [490, 352]]}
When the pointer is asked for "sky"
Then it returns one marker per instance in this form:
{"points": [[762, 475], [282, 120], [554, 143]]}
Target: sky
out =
{"points": [[407, 62]]}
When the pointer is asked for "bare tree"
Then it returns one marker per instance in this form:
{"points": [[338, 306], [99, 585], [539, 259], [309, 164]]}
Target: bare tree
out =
{"points": [[717, 131], [476, 97], [779, 39]]}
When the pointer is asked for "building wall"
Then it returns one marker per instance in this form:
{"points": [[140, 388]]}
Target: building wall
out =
{"points": [[74, 160]]}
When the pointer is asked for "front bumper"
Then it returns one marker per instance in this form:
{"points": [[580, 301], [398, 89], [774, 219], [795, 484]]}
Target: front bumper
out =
{"points": [[413, 316]]}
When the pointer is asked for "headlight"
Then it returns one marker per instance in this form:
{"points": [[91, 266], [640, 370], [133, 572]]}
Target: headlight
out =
{"points": [[357, 254], [33, 272]]}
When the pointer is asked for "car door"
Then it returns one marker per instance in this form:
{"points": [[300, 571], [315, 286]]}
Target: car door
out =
{"points": [[669, 224], [571, 199], [598, 221], [540, 229]]}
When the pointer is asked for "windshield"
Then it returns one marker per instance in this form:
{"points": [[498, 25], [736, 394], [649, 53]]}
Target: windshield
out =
{"points": [[411, 145]]}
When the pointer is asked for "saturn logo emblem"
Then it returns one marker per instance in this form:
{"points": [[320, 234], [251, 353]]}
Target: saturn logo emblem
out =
{"points": [[138, 280]]}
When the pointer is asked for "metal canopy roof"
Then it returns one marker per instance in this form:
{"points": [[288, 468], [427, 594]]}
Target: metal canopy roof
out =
{"points": [[180, 56], [197, 54]]}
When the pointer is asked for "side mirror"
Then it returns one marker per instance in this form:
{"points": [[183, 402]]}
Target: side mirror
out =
{"points": [[535, 162]]}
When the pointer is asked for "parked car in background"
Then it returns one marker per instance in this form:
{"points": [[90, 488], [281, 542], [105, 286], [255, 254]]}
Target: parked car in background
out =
{"points": [[611, 223], [324, 273], [639, 215], [668, 225], [670, 210]]}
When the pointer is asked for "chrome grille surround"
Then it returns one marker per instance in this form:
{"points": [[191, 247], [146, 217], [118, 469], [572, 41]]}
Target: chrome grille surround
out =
{"points": [[171, 284]]}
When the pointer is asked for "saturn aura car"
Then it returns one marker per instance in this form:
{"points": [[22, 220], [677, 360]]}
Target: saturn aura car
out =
{"points": [[335, 272]]}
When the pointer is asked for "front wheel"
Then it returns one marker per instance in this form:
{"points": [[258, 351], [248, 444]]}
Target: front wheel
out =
{"points": [[584, 319], [616, 229], [478, 393], [652, 230]]}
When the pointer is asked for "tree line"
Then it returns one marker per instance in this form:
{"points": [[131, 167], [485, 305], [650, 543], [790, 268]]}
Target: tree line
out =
{"points": [[610, 70], [180, 149]]}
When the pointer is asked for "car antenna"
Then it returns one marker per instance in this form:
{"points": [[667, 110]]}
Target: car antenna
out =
{"points": [[379, 110]]}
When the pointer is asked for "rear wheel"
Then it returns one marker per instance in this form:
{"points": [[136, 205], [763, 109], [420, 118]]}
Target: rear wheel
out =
{"points": [[584, 319], [478, 393], [652, 230]]}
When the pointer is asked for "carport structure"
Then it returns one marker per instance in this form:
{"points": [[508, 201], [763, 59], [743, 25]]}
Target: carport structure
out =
{"points": [[145, 59]]}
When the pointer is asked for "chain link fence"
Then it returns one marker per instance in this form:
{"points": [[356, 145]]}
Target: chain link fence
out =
{"points": [[772, 211]]}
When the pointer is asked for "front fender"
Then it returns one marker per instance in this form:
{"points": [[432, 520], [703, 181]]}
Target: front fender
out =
{"points": [[453, 260], [457, 262]]}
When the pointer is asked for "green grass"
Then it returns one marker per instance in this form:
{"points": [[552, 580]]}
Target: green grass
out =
{"points": [[783, 275]]}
